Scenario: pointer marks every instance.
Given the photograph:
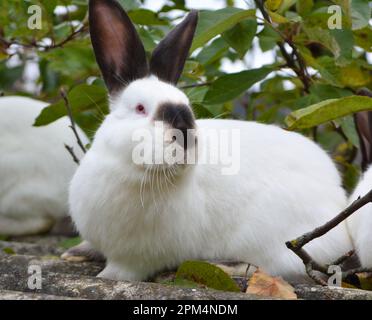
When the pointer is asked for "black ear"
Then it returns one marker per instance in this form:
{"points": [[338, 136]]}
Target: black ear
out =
{"points": [[169, 57], [117, 46], [363, 122]]}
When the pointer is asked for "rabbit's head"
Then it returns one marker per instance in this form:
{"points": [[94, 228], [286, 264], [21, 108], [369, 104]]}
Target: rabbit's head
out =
{"points": [[143, 97]]}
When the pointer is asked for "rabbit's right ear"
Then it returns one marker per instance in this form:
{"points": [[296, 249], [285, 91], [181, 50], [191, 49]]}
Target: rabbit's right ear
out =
{"points": [[363, 123], [169, 57], [118, 48]]}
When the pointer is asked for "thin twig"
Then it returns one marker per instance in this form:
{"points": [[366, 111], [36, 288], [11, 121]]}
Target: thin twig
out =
{"points": [[34, 44], [294, 61], [72, 126], [195, 85], [72, 153], [351, 272], [297, 244], [322, 230], [342, 259]]}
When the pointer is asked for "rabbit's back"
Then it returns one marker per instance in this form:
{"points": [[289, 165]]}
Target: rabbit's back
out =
{"points": [[360, 223], [286, 186], [35, 167]]}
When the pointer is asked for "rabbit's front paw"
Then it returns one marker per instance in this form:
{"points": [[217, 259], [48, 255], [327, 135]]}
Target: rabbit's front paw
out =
{"points": [[116, 272], [83, 252]]}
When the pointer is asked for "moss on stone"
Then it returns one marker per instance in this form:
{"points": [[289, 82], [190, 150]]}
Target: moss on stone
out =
{"points": [[206, 274]]}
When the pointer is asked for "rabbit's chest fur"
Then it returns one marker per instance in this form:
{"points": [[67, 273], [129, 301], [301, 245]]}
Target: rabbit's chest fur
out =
{"points": [[286, 186]]}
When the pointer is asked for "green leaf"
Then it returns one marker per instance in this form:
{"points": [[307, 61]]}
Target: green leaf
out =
{"points": [[69, 243], [273, 5], [323, 92], [145, 17], [304, 7], [285, 5], [353, 75], [48, 77], [49, 6], [357, 12], [81, 98], [345, 42], [363, 38], [325, 65], [196, 97], [8, 76], [147, 39], [277, 18], [213, 51], [327, 110], [339, 42], [268, 39], [241, 36], [351, 176], [75, 59], [8, 250], [213, 23], [206, 274], [360, 13], [230, 86], [130, 4], [348, 127]]}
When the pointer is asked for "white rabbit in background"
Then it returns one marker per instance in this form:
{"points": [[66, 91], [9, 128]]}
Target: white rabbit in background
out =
{"points": [[35, 167], [360, 223], [143, 222]]}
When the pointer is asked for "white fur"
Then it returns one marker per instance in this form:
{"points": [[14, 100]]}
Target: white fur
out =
{"points": [[287, 185], [35, 167], [360, 223]]}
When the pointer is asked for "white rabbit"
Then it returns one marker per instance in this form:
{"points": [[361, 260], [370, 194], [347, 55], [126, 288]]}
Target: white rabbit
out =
{"points": [[146, 218], [360, 223], [35, 167]]}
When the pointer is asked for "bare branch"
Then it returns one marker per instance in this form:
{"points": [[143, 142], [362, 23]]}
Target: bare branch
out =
{"points": [[33, 44], [294, 61], [72, 153], [311, 265], [72, 126], [195, 85]]}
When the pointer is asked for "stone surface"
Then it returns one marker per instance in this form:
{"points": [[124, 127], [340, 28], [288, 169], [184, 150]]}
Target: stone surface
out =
{"points": [[17, 295], [326, 293], [30, 248], [77, 280]]}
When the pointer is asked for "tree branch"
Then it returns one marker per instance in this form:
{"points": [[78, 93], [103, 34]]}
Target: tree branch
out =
{"points": [[34, 44], [311, 265], [294, 61], [72, 126], [72, 153]]}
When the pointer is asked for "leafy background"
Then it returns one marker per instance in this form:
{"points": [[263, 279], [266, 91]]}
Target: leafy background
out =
{"points": [[311, 84]]}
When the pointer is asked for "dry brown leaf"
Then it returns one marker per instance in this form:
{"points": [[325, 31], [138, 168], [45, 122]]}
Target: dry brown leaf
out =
{"points": [[265, 285]]}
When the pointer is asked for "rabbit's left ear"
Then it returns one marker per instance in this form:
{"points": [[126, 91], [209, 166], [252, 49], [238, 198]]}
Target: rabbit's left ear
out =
{"points": [[169, 57], [118, 48], [363, 122]]}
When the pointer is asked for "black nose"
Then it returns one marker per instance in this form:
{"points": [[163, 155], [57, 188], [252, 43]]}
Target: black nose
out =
{"points": [[178, 116]]}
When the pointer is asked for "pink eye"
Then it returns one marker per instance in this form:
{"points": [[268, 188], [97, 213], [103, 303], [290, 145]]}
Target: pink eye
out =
{"points": [[140, 109]]}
